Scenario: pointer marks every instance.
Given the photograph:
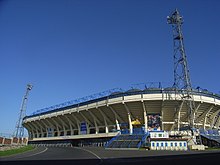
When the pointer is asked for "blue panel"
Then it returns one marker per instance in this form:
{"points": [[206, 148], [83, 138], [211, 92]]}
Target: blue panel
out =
{"points": [[138, 131], [83, 128], [124, 131], [210, 131]]}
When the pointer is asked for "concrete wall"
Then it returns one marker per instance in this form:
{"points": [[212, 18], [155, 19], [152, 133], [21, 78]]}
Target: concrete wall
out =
{"points": [[13, 141]]}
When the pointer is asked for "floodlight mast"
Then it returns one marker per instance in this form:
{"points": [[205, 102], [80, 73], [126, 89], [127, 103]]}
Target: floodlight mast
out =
{"points": [[19, 130], [182, 82]]}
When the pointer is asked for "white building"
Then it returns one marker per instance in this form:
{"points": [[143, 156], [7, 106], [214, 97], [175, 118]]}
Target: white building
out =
{"points": [[159, 140]]}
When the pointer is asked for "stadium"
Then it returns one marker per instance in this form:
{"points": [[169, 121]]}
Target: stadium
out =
{"points": [[132, 112], [165, 117]]}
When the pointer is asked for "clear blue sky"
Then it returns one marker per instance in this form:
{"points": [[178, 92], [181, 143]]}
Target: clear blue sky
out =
{"points": [[73, 48]]}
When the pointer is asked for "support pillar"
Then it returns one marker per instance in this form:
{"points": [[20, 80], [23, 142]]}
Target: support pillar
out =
{"points": [[130, 124], [95, 122], [77, 123], [145, 118], [206, 115], [145, 122], [117, 125], [105, 120]]}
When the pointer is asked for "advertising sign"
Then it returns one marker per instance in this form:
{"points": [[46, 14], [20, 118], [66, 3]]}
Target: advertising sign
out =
{"points": [[154, 121], [83, 128]]}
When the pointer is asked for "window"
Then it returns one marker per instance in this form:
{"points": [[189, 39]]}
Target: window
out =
{"points": [[161, 144], [171, 144], [184, 144], [160, 135], [152, 144], [180, 144], [166, 144], [175, 144], [157, 144]]}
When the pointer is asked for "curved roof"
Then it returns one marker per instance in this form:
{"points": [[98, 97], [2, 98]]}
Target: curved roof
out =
{"points": [[114, 94]]}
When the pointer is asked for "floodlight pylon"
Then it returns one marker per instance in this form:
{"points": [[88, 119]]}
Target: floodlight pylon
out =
{"points": [[19, 130], [182, 81]]}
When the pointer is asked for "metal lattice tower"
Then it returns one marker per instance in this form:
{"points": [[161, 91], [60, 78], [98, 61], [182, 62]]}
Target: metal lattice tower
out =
{"points": [[182, 82], [19, 130]]}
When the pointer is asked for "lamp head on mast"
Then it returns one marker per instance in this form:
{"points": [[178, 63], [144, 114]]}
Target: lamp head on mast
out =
{"points": [[175, 18]]}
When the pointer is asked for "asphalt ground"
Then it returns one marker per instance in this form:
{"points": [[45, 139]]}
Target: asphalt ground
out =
{"points": [[101, 156]]}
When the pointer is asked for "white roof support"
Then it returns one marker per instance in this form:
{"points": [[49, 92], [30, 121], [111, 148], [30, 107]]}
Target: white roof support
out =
{"points": [[217, 125], [87, 121], [45, 126], [62, 119], [48, 126], [130, 124], [162, 114], [64, 125], [129, 119], [95, 122], [195, 112], [95, 118], [77, 121], [70, 124], [36, 128], [30, 130], [128, 111], [177, 117], [51, 125], [117, 117], [214, 118], [105, 120], [117, 125], [57, 126], [145, 117], [206, 115]]}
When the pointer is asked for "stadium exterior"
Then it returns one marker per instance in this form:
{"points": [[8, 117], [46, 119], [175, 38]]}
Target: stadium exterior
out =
{"points": [[131, 112], [132, 117]]}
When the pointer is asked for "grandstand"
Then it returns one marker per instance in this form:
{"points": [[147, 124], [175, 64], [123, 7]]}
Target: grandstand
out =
{"points": [[130, 112]]}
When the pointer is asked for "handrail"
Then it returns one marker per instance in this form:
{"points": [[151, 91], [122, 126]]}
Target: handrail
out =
{"points": [[142, 140], [109, 142]]}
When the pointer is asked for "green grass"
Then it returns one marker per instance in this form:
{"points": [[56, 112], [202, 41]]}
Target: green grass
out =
{"points": [[212, 148], [16, 151]]}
